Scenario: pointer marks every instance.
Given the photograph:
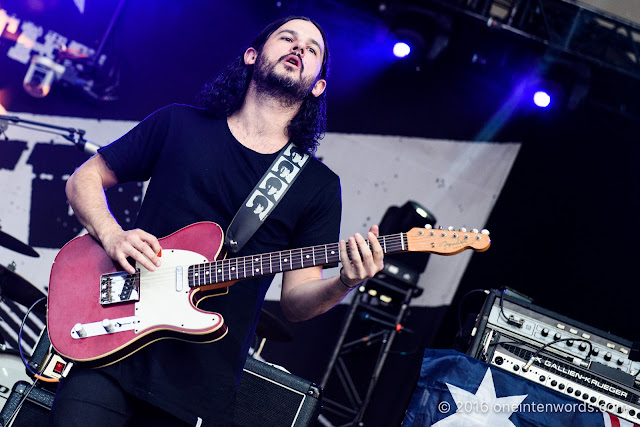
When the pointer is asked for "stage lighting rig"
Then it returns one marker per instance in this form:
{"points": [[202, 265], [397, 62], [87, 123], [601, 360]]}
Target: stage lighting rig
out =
{"points": [[75, 68]]}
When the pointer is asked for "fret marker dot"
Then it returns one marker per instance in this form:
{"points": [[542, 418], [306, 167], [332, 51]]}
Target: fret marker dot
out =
{"points": [[257, 269], [233, 269], [196, 274], [257, 260], [333, 252], [308, 257], [219, 270], [285, 260]]}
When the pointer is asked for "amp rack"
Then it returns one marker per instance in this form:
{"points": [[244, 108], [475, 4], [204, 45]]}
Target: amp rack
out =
{"points": [[565, 377], [557, 352]]}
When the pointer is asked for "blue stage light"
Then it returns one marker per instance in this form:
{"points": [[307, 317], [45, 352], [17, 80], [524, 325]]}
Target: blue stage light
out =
{"points": [[401, 49], [541, 99]]}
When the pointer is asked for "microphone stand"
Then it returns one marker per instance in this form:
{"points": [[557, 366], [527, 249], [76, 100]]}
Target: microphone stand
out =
{"points": [[76, 136]]}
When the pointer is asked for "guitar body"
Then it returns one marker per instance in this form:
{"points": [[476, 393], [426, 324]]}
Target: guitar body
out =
{"points": [[166, 307]]}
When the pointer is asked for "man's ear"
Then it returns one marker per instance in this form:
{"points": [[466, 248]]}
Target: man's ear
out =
{"points": [[319, 87], [250, 56]]}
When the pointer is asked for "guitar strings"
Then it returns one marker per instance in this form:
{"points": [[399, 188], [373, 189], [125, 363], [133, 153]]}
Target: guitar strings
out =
{"points": [[293, 257]]}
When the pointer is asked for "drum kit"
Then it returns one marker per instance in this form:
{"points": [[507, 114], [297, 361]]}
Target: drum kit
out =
{"points": [[14, 288]]}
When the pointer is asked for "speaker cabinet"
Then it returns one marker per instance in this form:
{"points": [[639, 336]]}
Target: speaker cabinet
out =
{"points": [[30, 411], [268, 396]]}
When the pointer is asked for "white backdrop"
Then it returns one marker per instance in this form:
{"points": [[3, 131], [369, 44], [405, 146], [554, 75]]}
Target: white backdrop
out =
{"points": [[458, 182]]}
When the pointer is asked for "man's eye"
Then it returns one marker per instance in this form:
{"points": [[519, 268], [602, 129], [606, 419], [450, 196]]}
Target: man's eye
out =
{"points": [[287, 39], [312, 50]]}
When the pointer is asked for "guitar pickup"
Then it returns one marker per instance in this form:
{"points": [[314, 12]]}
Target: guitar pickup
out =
{"points": [[119, 287]]}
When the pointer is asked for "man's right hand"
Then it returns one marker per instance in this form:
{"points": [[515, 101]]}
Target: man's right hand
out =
{"points": [[143, 247]]}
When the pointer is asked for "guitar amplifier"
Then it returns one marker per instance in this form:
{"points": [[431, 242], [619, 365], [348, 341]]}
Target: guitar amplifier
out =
{"points": [[26, 406], [268, 396], [556, 352]]}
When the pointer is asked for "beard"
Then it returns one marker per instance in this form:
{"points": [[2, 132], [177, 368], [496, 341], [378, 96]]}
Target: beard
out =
{"points": [[283, 86]]}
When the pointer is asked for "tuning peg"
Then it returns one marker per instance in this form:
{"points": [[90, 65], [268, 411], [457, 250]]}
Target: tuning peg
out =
{"points": [[463, 230], [440, 228], [450, 228], [485, 231], [428, 226], [474, 230]]}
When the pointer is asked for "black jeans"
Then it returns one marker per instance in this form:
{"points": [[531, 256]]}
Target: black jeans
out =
{"points": [[91, 398]]}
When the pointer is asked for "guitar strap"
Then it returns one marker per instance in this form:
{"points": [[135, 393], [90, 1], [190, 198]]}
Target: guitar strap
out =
{"points": [[265, 196]]}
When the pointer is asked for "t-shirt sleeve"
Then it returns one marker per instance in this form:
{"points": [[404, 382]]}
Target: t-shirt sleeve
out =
{"points": [[133, 156], [321, 222]]}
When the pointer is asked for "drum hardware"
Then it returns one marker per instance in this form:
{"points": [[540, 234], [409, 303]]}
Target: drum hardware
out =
{"points": [[16, 245], [18, 289]]}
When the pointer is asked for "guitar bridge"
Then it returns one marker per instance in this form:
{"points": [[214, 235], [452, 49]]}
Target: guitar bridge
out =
{"points": [[119, 287]]}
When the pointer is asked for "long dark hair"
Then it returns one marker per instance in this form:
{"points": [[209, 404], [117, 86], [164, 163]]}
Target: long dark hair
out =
{"points": [[225, 94]]}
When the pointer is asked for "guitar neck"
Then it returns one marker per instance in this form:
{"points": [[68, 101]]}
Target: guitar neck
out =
{"points": [[251, 266]]}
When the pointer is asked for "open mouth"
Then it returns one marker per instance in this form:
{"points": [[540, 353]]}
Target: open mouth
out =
{"points": [[293, 60]]}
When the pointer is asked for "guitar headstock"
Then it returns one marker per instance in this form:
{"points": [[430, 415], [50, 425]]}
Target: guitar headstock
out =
{"points": [[447, 241]]}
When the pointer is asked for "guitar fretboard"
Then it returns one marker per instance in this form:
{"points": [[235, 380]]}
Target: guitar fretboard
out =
{"points": [[247, 267]]}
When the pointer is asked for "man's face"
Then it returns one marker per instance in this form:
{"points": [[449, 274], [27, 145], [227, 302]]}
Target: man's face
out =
{"points": [[291, 60]]}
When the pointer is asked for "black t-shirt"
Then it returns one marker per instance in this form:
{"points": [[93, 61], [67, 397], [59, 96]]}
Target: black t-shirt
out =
{"points": [[200, 172]]}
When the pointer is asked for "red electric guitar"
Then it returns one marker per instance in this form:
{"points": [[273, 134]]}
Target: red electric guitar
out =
{"points": [[99, 314]]}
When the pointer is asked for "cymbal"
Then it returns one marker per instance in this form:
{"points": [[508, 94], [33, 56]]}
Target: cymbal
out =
{"points": [[16, 245], [272, 328], [20, 290]]}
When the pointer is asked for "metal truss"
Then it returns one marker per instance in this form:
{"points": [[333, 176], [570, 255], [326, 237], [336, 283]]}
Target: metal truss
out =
{"points": [[563, 25]]}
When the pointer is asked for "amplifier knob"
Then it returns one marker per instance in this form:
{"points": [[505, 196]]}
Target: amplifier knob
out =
{"points": [[554, 383], [620, 362], [609, 406], [569, 389], [632, 412], [557, 336], [561, 386], [595, 351], [542, 378], [608, 356], [582, 346], [593, 399], [601, 403], [578, 393], [545, 332], [498, 360], [516, 368], [570, 343], [585, 396]]}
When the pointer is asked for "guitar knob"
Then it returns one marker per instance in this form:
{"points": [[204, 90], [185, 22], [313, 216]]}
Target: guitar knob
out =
{"points": [[108, 325], [80, 330], [608, 356]]}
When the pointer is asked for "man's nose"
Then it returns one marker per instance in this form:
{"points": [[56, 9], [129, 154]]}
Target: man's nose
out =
{"points": [[298, 49]]}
